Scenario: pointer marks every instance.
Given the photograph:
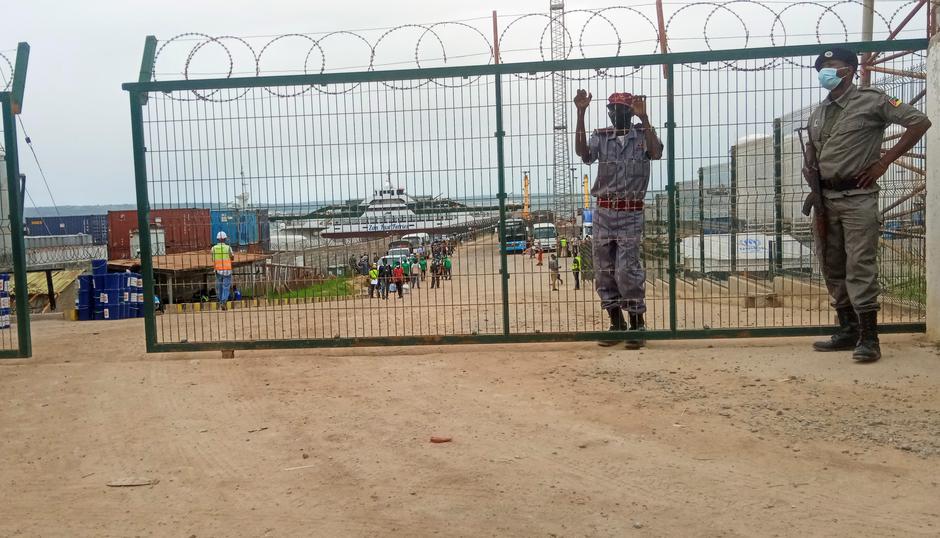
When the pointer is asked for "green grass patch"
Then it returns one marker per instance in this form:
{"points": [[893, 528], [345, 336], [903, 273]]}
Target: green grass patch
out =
{"points": [[333, 287], [910, 289]]}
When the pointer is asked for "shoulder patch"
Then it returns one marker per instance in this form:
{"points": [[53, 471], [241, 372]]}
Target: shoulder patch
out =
{"points": [[894, 101]]}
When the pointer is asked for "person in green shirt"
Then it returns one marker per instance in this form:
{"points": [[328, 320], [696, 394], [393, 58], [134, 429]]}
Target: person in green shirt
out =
{"points": [[373, 280], [424, 267], [576, 270], [406, 269], [447, 266]]}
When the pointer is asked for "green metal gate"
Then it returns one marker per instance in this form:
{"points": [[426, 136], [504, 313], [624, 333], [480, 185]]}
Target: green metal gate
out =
{"points": [[340, 165], [15, 337]]}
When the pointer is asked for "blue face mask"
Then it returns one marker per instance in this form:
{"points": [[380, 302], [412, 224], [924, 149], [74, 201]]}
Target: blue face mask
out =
{"points": [[829, 78]]}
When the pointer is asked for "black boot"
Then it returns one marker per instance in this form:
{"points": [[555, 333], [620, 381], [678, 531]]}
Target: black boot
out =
{"points": [[868, 348], [617, 324], [637, 323], [846, 337]]}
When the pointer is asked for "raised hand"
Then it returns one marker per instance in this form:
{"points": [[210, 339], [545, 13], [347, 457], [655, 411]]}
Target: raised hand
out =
{"points": [[581, 100], [639, 107]]}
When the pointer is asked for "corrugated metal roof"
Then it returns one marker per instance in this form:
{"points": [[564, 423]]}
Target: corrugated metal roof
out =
{"points": [[188, 261], [60, 281]]}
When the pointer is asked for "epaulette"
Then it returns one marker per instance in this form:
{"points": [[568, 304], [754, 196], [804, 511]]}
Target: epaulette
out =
{"points": [[871, 89]]}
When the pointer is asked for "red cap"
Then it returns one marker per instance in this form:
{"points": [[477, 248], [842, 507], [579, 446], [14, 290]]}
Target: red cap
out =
{"points": [[623, 98]]}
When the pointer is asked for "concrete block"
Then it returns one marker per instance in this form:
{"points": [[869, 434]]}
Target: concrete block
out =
{"points": [[711, 290], [799, 293], [684, 289]]}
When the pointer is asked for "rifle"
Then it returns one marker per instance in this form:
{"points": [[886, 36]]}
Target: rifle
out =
{"points": [[814, 202]]}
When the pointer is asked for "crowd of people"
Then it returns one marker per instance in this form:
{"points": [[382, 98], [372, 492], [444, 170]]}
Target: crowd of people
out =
{"points": [[393, 277]]}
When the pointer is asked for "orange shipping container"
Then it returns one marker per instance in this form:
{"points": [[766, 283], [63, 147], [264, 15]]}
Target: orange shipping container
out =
{"points": [[185, 230]]}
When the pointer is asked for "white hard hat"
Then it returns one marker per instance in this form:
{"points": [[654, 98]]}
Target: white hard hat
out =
{"points": [[221, 236]]}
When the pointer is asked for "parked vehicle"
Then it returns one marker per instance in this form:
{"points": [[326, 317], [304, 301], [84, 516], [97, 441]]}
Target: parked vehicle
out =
{"points": [[401, 243], [417, 239], [516, 235], [587, 224], [545, 236]]}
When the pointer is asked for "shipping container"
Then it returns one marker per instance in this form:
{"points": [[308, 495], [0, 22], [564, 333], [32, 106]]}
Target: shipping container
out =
{"points": [[241, 227], [244, 228], [264, 230], [94, 225], [185, 230]]}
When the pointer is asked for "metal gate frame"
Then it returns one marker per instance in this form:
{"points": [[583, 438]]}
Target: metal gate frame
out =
{"points": [[138, 93], [12, 104]]}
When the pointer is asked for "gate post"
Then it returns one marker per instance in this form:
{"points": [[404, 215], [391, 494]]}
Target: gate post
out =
{"points": [[501, 195], [671, 190], [12, 104], [778, 198], [137, 101], [933, 194]]}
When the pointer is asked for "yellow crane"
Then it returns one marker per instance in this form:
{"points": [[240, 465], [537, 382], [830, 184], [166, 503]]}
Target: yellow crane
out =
{"points": [[587, 192], [525, 196]]}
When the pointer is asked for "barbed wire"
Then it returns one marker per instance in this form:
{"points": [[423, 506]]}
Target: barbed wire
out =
{"points": [[5, 80], [749, 14]]}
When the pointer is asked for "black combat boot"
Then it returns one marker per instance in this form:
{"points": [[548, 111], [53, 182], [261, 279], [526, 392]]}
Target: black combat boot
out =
{"points": [[637, 323], [868, 348], [846, 337], [617, 324]]}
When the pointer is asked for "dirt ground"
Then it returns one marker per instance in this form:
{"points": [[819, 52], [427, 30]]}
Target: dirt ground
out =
{"points": [[691, 438]]}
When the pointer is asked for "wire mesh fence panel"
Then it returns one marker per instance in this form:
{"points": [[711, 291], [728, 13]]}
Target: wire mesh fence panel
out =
{"points": [[354, 211], [747, 252], [368, 208], [8, 330], [563, 272]]}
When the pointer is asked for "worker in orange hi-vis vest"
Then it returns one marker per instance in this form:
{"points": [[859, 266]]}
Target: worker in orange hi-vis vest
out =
{"points": [[222, 257]]}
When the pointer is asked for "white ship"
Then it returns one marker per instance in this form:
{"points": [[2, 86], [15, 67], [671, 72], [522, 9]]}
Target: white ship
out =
{"points": [[391, 211]]}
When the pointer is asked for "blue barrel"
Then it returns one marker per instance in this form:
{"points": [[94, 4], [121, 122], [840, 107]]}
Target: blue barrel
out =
{"points": [[84, 303], [101, 282], [107, 295], [99, 267], [890, 227]]}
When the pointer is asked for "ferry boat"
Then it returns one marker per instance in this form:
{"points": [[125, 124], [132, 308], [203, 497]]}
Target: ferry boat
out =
{"points": [[391, 211]]}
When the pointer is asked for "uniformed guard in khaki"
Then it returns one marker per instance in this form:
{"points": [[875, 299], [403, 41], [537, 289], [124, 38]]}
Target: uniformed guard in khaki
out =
{"points": [[623, 152], [846, 134]]}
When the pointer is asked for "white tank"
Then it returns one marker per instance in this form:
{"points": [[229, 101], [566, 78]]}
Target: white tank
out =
{"points": [[157, 242]]}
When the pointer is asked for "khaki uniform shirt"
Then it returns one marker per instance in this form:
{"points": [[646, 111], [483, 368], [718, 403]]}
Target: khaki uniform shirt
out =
{"points": [[848, 133], [624, 170]]}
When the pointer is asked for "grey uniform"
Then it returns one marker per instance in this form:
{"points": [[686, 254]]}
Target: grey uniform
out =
{"points": [[847, 135], [623, 174]]}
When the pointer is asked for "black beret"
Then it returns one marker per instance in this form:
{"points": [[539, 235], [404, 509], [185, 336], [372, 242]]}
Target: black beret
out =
{"points": [[845, 55]]}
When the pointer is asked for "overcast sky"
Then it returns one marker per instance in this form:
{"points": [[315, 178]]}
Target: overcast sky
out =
{"points": [[77, 114]]}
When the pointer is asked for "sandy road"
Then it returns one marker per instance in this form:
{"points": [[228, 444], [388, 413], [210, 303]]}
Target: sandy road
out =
{"points": [[725, 438]]}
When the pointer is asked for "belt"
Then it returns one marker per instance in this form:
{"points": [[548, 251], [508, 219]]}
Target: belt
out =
{"points": [[619, 204], [838, 184]]}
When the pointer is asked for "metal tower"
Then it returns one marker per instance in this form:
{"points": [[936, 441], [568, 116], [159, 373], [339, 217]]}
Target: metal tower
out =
{"points": [[562, 203]]}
